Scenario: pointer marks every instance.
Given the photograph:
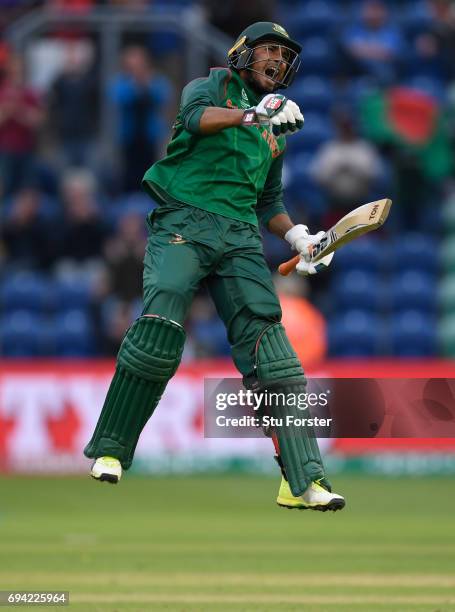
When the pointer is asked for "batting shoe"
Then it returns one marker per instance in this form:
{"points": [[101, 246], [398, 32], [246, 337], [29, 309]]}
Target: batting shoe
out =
{"points": [[315, 497], [106, 469]]}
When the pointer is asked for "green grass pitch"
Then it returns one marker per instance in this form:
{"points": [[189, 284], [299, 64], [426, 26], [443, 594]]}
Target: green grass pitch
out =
{"points": [[220, 543]]}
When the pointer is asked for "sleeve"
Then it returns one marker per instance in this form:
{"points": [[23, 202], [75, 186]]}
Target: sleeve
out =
{"points": [[201, 93], [270, 203]]}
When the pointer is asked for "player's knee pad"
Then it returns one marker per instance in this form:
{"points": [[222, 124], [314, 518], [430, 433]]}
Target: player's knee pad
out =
{"points": [[148, 357], [275, 359], [152, 348], [279, 374]]}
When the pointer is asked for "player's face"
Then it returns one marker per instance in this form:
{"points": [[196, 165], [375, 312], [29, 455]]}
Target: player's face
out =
{"points": [[269, 64]]}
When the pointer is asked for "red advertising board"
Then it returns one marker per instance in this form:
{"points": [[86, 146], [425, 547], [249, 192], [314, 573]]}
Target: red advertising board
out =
{"points": [[48, 410]]}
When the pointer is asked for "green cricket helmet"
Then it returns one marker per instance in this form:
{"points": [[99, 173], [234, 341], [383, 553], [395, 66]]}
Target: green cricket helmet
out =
{"points": [[240, 57]]}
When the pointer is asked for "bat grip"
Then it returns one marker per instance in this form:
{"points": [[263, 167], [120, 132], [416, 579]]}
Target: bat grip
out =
{"points": [[288, 266]]}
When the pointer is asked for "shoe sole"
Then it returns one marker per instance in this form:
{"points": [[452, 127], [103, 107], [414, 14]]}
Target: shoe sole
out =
{"points": [[333, 506], [111, 478]]}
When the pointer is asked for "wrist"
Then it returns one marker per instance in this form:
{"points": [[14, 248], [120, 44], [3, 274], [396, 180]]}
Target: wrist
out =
{"points": [[250, 117], [214, 119]]}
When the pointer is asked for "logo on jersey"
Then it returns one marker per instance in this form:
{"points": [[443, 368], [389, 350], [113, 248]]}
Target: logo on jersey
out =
{"points": [[244, 102], [178, 239], [272, 143]]}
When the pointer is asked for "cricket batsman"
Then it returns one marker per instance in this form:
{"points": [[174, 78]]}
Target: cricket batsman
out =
{"points": [[220, 177]]}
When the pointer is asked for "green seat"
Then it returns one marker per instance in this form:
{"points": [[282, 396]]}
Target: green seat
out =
{"points": [[448, 215], [446, 294], [448, 255], [446, 336]]}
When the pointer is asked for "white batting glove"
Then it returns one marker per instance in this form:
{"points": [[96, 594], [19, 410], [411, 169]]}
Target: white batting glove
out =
{"points": [[282, 116], [304, 268], [301, 241], [288, 121]]}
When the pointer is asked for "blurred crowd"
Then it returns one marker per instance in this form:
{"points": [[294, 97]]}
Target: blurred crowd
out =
{"points": [[377, 88]]}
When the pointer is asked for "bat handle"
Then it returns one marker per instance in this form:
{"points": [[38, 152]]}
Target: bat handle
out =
{"points": [[288, 266]]}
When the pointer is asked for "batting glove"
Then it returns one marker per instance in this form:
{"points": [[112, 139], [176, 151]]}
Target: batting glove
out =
{"points": [[282, 116], [302, 242]]}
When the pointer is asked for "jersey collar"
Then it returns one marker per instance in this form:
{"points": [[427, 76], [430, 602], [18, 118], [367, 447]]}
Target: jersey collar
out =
{"points": [[253, 97]]}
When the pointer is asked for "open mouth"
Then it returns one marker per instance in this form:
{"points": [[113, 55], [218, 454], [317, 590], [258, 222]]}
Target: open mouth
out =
{"points": [[270, 72]]}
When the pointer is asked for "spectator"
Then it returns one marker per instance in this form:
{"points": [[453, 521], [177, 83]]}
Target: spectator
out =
{"points": [[373, 46], [131, 5], [73, 106], [84, 230], [119, 289], [411, 129], [206, 329], [114, 318], [21, 115], [73, 30], [233, 16], [141, 96], [444, 29], [428, 58], [124, 254], [29, 240], [70, 6], [13, 10], [304, 324], [346, 167]]}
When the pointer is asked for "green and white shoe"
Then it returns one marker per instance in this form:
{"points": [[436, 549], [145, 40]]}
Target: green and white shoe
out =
{"points": [[107, 469], [315, 497]]}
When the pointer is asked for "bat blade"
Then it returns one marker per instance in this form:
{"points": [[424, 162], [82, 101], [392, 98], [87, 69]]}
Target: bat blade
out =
{"points": [[359, 221]]}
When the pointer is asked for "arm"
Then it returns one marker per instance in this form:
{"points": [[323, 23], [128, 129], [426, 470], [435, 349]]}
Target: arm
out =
{"points": [[201, 111], [280, 224], [287, 121], [215, 119], [272, 213], [270, 208]]}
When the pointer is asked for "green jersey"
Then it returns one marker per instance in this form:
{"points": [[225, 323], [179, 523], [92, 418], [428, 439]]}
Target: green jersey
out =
{"points": [[236, 172]]}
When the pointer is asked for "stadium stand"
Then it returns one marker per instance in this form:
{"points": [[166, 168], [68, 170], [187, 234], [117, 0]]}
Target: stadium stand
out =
{"points": [[392, 294]]}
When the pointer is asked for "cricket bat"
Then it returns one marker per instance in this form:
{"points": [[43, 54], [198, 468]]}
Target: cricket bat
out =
{"points": [[359, 221]]}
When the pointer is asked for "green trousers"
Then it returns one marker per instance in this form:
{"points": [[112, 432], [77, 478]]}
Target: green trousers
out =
{"points": [[187, 247]]}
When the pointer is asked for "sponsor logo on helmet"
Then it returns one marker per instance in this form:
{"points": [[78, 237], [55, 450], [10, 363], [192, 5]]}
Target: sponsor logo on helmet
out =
{"points": [[238, 44], [280, 30]]}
